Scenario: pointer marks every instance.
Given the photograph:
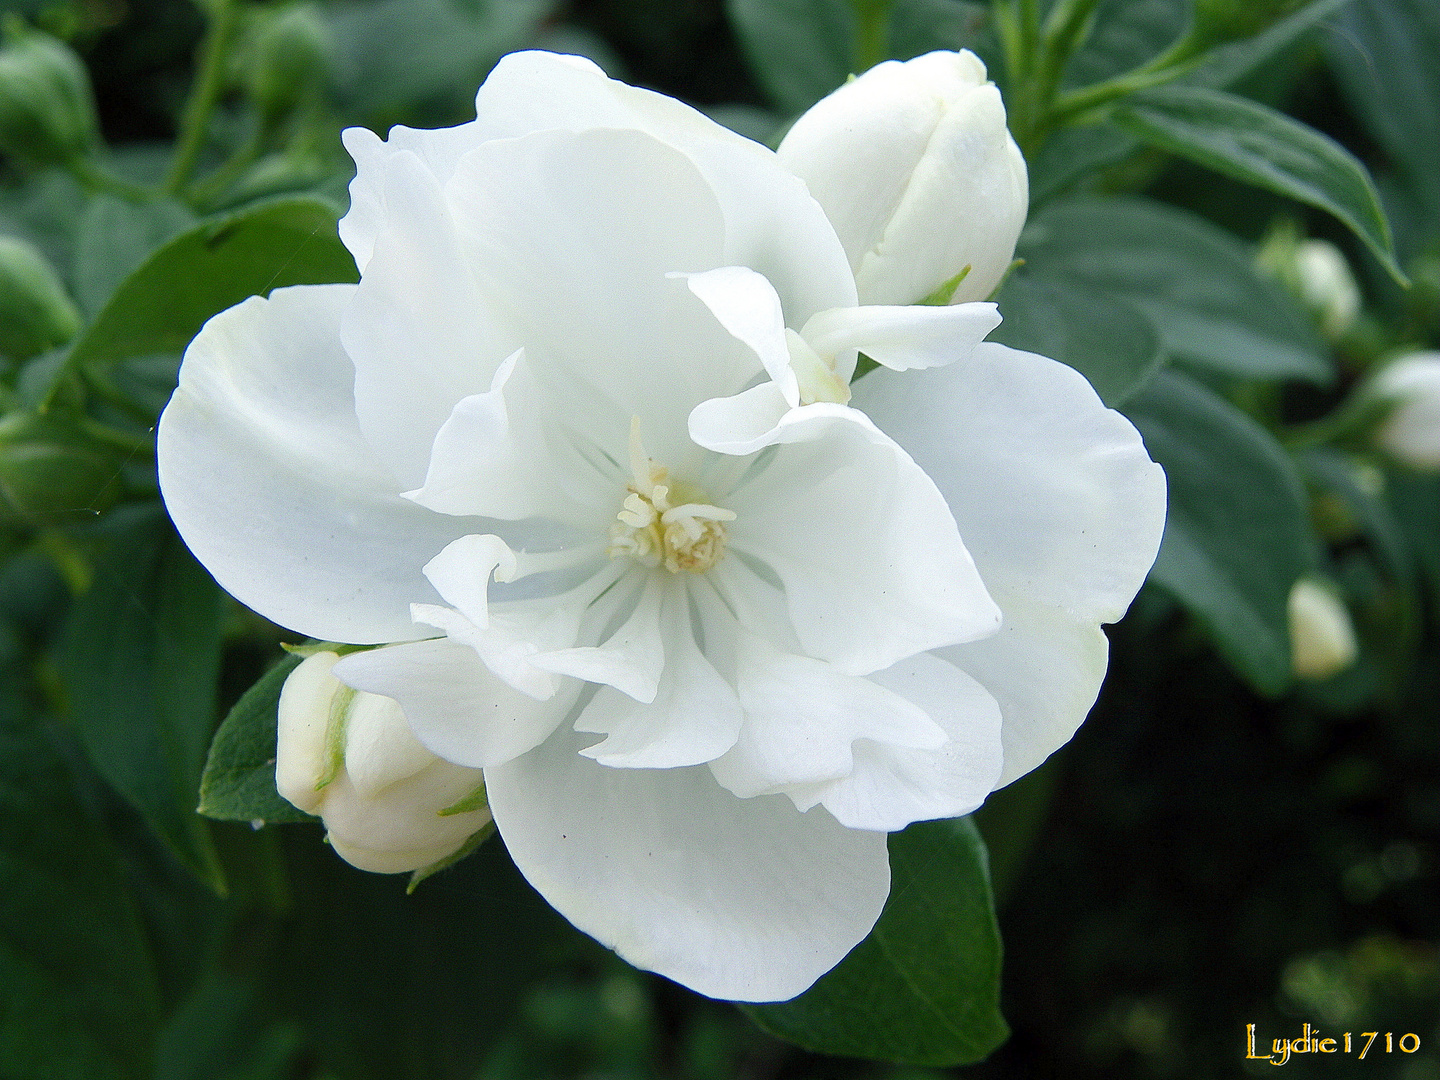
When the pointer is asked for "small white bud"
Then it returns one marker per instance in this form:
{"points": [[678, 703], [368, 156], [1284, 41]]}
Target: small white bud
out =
{"points": [[349, 757], [918, 174], [1327, 287], [1322, 640], [1411, 431]]}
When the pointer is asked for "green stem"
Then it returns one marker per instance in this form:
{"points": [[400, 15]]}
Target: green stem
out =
{"points": [[94, 177], [213, 186], [872, 33], [1169, 65], [204, 94]]}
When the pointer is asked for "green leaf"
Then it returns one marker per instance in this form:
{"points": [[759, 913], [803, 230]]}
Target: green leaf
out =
{"points": [[1257, 145], [1237, 533], [921, 26], [78, 995], [215, 265], [1101, 335], [799, 49], [239, 779], [140, 653], [924, 987], [115, 237], [1196, 282], [1230, 63], [1125, 34]]}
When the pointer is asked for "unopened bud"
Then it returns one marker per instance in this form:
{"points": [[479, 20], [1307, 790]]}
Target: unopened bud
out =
{"points": [[1322, 640], [919, 176], [36, 313], [52, 473], [1317, 274], [1410, 431], [47, 109], [290, 60], [349, 757]]}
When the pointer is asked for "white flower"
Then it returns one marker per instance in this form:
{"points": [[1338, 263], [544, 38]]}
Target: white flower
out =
{"points": [[1411, 432], [1322, 640], [575, 449], [350, 758], [919, 175]]}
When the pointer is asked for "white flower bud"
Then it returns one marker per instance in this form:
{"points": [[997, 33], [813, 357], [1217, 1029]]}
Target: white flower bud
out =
{"points": [[382, 804], [918, 174], [1322, 640], [1327, 287], [1411, 432]]}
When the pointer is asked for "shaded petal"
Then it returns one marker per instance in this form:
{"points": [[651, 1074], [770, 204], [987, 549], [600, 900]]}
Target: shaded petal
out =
{"points": [[900, 338], [631, 659], [417, 330], [748, 307], [694, 718], [741, 424], [745, 900], [454, 704], [891, 786], [1045, 670], [1055, 495], [802, 718], [270, 482], [873, 567]]}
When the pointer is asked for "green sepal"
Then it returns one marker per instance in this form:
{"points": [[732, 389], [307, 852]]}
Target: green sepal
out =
{"points": [[941, 296], [472, 845]]}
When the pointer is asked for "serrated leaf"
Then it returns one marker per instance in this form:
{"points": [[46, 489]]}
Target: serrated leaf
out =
{"points": [[1237, 532], [140, 655], [1101, 335], [924, 987], [1255, 144], [239, 779], [213, 266], [1196, 282]]}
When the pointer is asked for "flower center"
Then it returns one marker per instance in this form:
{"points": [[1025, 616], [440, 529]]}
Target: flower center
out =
{"points": [[665, 522]]}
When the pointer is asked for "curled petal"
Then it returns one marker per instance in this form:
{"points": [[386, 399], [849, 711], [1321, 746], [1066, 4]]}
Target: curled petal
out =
{"points": [[901, 338]]}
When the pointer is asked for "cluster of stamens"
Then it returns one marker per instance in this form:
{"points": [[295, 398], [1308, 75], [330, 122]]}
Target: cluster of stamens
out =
{"points": [[666, 523]]}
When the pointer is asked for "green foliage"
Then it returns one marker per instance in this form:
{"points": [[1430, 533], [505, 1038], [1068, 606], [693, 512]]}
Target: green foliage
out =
{"points": [[1195, 282], [140, 653], [1257, 145], [215, 265], [239, 779], [924, 987], [1237, 534]]}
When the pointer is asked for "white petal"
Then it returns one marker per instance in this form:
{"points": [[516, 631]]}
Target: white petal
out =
{"points": [[802, 718], [694, 718], [454, 704], [901, 338], [597, 297], [745, 900], [1055, 495], [749, 309], [461, 574], [400, 829], [772, 224], [418, 329], [500, 454], [891, 786], [1045, 671], [631, 659], [741, 424], [379, 746], [271, 484], [873, 566]]}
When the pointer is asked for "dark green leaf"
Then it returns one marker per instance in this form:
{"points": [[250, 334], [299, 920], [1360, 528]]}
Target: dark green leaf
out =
{"points": [[1230, 63], [921, 26], [1099, 334], [78, 995], [1072, 154], [1237, 533], [924, 987], [395, 51], [1126, 33], [115, 237], [1195, 281], [1257, 145], [239, 780], [799, 49], [140, 653], [215, 265]]}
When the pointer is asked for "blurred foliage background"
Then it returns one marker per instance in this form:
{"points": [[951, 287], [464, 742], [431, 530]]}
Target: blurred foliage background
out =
{"points": [[1221, 845]]}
